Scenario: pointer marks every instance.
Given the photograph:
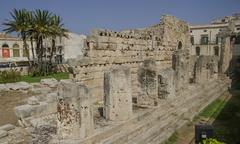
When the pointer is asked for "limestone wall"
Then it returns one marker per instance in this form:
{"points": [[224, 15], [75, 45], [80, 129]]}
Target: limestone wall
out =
{"points": [[106, 48]]}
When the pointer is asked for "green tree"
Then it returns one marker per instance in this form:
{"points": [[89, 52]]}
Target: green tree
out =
{"points": [[37, 26]]}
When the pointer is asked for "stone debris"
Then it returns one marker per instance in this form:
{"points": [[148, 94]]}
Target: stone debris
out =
{"points": [[3, 87], [52, 97], [19, 86], [15, 86], [23, 111], [43, 134], [41, 90], [51, 82], [33, 101], [7, 127], [3, 133]]}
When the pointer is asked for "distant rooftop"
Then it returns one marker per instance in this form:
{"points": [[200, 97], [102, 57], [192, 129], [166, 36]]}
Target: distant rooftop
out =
{"points": [[4, 36]]}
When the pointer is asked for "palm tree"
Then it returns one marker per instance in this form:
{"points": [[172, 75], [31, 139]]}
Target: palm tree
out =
{"points": [[30, 32], [19, 24], [57, 30], [38, 26], [42, 30]]}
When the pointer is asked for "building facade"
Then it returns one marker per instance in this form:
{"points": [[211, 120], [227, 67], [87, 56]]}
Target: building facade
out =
{"points": [[206, 39], [12, 51]]}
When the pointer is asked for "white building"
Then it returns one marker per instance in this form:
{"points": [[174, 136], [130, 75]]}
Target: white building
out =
{"points": [[74, 46], [12, 51], [205, 39]]}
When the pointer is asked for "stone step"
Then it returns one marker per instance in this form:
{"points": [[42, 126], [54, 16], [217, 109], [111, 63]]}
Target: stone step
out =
{"points": [[128, 133], [160, 138], [160, 121], [141, 136], [160, 127]]}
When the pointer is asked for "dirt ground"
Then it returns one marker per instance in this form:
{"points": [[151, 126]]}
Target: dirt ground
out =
{"points": [[8, 100]]}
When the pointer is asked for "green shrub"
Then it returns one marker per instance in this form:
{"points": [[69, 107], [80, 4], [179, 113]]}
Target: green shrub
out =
{"points": [[212, 141], [9, 76], [172, 139]]}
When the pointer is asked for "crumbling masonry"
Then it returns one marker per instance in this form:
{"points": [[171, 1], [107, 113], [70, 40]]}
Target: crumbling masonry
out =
{"points": [[144, 81]]}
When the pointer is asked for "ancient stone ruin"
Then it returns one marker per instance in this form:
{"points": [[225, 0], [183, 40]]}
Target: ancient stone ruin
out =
{"points": [[133, 86], [118, 94]]}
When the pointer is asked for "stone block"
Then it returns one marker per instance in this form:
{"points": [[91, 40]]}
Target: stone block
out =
{"points": [[3, 133], [166, 88], [3, 87], [39, 109], [74, 110], [41, 90], [180, 64], [52, 97], [18, 86], [147, 79], [51, 82], [118, 94], [23, 111], [7, 127], [33, 101]]}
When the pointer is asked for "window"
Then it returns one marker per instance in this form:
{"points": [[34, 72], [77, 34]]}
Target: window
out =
{"points": [[15, 46], [16, 53], [216, 39], [25, 52], [237, 40], [216, 51], [5, 51], [198, 51], [238, 28], [204, 30], [192, 40], [179, 45], [204, 39], [5, 46]]}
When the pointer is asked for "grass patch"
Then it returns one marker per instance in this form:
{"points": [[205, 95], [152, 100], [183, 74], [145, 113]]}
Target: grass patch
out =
{"points": [[31, 79], [227, 126], [34, 79], [237, 85], [213, 109], [172, 139]]}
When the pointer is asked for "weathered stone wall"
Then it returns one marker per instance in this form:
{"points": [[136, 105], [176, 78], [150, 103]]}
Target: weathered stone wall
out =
{"points": [[106, 48]]}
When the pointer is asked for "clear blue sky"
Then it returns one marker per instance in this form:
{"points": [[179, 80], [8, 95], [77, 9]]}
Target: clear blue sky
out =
{"points": [[81, 16]]}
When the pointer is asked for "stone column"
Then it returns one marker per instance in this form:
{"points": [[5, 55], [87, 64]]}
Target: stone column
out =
{"points": [[180, 65], [225, 55], [166, 87], [118, 94], [74, 111], [147, 79], [206, 68]]}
